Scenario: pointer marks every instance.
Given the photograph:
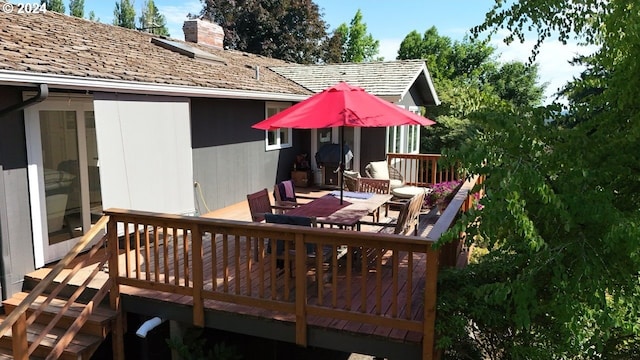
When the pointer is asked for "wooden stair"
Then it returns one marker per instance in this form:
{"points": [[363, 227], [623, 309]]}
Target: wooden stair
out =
{"points": [[83, 345]]}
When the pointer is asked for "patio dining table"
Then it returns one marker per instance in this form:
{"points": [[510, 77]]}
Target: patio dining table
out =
{"points": [[329, 211]]}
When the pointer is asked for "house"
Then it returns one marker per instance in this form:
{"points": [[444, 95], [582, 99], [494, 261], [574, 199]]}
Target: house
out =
{"points": [[94, 116], [406, 83]]}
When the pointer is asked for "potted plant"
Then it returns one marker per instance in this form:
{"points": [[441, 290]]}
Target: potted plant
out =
{"points": [[442, 193]]}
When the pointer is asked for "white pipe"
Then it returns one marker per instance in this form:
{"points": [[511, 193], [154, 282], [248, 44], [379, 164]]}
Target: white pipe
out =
{"points": [[148, 326]]}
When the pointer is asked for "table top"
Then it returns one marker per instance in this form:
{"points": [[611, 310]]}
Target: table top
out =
{"points": [[328, 210]]}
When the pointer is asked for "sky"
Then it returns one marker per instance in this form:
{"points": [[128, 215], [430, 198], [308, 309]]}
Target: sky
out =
{"points": [[390, 21]]}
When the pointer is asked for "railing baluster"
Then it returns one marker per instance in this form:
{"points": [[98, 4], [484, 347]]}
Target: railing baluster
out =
{"points": [[214, 261], [156, 253], [248, 245], [237, 264], [186, 247], [165, 248], [176, 257], [137, 249], [225, 263], [147, 253]]}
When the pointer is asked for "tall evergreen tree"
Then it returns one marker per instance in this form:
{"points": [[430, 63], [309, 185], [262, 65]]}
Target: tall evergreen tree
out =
{"points": [[124, 14], [76, 8], [92, 16], [152, 21], [54, 5], [285, 29]]}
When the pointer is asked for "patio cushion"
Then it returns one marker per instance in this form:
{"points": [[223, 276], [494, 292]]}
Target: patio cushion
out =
{"points": [[379, 170], [407, 192]]}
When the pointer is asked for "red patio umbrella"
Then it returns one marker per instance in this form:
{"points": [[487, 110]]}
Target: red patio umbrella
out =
{"points": [[342, 105]]}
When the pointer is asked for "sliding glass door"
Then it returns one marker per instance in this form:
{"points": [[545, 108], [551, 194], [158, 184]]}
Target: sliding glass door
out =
{"points": [[64, 175]]}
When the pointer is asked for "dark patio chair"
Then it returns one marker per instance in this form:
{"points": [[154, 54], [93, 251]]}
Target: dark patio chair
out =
{"points": [[280, 244], [260, 204]]}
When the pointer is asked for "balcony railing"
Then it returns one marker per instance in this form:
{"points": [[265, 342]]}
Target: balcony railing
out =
{"points": [[422, 170]]}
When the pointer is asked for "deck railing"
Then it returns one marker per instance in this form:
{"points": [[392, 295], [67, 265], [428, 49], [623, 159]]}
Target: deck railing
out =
{"points": [[377, 282], [422, 169]]}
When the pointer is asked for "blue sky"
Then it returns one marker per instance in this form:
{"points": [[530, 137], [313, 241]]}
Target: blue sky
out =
{"points": [[390, 21]]}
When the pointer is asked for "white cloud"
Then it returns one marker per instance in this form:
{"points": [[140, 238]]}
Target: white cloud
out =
{"points": [[553, 60], [177, 14]]}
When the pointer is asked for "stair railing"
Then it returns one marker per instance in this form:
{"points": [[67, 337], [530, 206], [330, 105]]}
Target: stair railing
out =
{"points": [[17, 319]]}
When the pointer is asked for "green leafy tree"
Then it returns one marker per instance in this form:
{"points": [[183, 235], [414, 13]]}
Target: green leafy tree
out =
{"points": [[352, 43], [54, 5], [124, 15], [76, 8], [561, 216], [152, 21], [468, 79], [334, 46], [285, 29]]}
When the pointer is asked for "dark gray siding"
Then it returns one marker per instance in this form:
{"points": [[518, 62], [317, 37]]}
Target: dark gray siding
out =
{"points": [[229, 157], [412, 98], [15, 217], [372, 146]]}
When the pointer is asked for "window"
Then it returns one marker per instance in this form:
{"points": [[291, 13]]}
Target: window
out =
{"points": [[278, 138], [404, 139]]}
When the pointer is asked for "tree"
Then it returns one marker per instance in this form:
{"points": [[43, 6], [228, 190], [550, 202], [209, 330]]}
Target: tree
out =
{"points": [[468, 79], [124, 14], [561, 218], [76, 8], [152, 21], [351, 42], [285, 29], [54, 5], [334, 46]]}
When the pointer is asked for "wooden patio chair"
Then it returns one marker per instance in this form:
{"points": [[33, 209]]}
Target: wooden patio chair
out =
{"points": [[376, 186], [280, 244], [284, 193], [260, 204], [408, 218]]}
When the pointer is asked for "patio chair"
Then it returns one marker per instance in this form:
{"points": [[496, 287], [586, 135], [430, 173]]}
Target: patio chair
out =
{"points": [[382, 170], [408, 218], [285, 194], [376, 186], [351, 180], [280, 244], [260, 204]]}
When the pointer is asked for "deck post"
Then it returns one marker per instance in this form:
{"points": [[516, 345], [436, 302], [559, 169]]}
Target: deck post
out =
{"points": [[198, 277], [117, 330], [19, 336], [301, 291], [430, 292]]}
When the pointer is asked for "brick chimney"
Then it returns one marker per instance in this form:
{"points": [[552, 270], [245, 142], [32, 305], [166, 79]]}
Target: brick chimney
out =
{"points": [[204, 32]]}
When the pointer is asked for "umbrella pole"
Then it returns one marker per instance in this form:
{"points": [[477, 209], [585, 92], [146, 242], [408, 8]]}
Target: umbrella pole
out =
{"points": [[341, 164]]}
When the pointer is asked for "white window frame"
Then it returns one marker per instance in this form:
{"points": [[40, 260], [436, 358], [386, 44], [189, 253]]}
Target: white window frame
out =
{"points": [[398, 137], [275, 108]]}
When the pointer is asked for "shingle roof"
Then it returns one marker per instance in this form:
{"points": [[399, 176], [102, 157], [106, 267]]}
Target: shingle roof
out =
{"points": [[389, 79], [57, 44]]}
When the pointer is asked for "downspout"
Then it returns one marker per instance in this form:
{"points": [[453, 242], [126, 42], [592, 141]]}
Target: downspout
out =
{"points": [[43, 93]]}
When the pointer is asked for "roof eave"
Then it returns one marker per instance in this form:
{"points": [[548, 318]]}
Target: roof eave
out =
{"points": [[427, 76], [18, 78]]}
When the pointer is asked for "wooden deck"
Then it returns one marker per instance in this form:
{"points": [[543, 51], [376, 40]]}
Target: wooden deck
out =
{"points": [[373, 304]]}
